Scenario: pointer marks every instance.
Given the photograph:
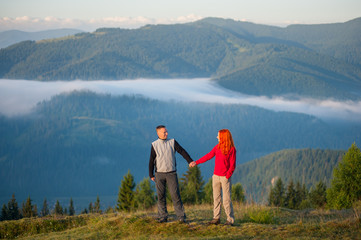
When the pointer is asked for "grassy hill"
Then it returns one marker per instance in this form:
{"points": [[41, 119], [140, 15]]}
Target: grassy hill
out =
{"points": [[252, 222], [320, 61]]}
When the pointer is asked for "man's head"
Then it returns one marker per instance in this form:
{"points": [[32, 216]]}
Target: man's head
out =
{"points": [[162, 132]]}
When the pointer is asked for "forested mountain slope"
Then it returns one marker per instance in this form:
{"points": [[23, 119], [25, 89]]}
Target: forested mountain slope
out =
{"points": [[338, 40], [82, 144], [306, 166], [321, 61]]}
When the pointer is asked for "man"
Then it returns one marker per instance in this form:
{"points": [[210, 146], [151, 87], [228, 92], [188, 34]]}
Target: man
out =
{"points": [[162, 161]]}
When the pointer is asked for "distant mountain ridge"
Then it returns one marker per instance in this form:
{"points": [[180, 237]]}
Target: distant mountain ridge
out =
{"points": [[320, 61], [338, 40], [11, 37]]}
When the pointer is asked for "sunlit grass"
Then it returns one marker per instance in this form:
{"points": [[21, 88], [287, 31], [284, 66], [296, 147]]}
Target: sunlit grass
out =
{"points": [[252, 222]]}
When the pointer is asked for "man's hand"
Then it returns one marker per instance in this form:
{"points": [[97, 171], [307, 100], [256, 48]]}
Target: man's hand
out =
{"points": [[153, 179], [192, 164]]}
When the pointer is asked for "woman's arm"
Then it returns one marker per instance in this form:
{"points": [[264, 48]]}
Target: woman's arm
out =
{"points": [[208, 156]]}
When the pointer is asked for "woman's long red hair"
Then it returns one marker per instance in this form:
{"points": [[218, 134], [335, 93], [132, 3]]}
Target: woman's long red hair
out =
{"points": [[225, 141]]}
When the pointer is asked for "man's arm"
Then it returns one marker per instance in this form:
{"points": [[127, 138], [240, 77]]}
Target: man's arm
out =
{"points": [[182, 152], [151, 163]]}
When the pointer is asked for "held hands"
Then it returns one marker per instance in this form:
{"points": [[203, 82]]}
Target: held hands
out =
{"points": [[192, 164]]}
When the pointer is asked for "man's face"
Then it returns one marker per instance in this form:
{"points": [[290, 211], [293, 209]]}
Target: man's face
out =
{"points": [[162, 133]]}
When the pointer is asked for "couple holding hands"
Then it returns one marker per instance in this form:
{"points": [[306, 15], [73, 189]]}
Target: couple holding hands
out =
{"points": [[162, 170]]}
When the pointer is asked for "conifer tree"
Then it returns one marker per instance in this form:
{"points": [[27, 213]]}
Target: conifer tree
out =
{"points": [[71, 208], [290, 199], [91, 208], [45, 209], [192, 186], [97, 205], [58, 208], [36, 210], [4, 213], [28, 209], [277, 194], [126, 194], [237, 193], [318, 195], [145, 194], [208, 192], [301, 194], [13, 209], [346, 182]]}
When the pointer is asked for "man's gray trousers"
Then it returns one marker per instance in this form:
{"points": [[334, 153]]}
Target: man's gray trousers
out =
{"points": [[171, 180]]}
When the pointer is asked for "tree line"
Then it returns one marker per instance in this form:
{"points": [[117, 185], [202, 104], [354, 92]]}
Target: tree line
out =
{"points": [[131, 197], [309, 166], [12, 211], [345, 187], [345, 190], [193, 191], [296, 196]]}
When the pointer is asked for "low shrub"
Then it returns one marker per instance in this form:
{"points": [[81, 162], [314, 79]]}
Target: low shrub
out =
{"points": [[261, 216]]}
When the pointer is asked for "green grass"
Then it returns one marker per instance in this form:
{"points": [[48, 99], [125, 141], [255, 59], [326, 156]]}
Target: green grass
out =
{"points": [[252, 222]]}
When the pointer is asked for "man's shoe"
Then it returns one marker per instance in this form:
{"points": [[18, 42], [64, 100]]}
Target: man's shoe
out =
{"points": [[162, 220], [214, 221], [181, 220], [228, 223]]}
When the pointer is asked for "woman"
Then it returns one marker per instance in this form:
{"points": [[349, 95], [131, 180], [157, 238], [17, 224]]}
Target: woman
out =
{"points": [[225, 163]]}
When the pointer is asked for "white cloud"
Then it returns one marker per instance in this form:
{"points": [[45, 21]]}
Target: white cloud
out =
{"points": [[20, 96], [27, 23]]}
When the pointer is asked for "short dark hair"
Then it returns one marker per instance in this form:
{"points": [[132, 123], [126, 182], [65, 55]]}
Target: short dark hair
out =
{"points": [[159, 127]]}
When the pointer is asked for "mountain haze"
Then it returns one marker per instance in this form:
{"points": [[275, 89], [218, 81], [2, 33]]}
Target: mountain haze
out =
{"points": [[320, 61], [82, 143], [11, 37]]}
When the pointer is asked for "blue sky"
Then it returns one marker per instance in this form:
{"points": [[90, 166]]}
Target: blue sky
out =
{"points": [[90, 14]]}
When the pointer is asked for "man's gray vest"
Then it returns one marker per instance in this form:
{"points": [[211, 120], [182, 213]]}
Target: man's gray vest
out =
{"points": [[165, 159]]}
